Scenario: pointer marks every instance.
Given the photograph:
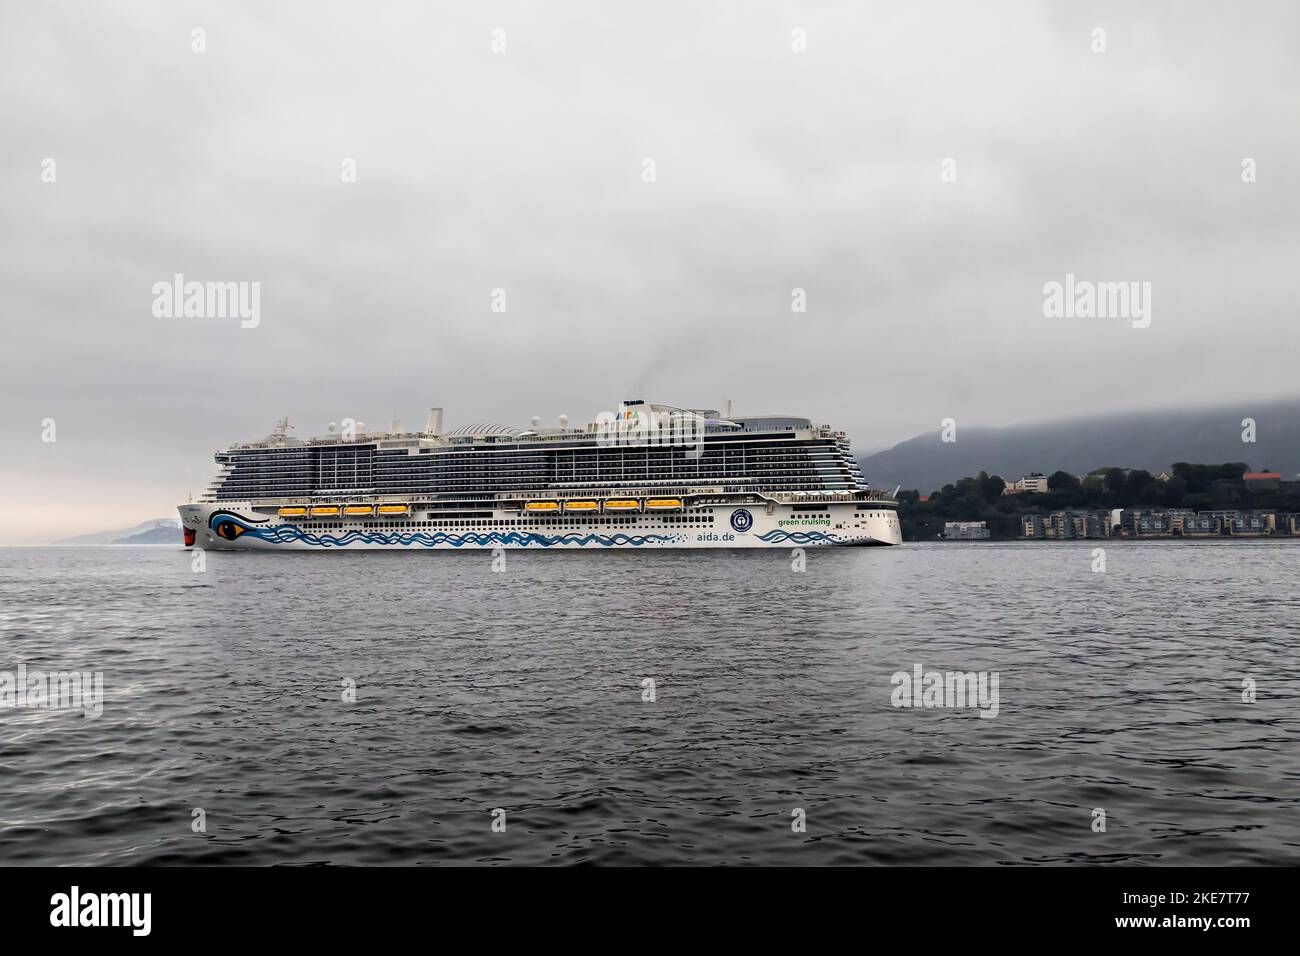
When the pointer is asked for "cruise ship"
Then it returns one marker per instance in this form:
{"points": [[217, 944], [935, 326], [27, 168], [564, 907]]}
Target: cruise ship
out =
{"points": [[644, 476]]}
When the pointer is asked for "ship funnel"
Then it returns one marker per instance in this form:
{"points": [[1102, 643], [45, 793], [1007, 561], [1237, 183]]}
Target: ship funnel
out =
{"points": [[434, 425]]}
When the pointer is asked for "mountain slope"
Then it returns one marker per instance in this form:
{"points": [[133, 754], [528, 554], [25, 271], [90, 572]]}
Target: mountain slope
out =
{"points": [[163, 534], [112, 537], [1150, 440]]}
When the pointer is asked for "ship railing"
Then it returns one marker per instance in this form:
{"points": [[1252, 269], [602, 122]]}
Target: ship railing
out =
{"points": [[820, 497], [602, 492]]}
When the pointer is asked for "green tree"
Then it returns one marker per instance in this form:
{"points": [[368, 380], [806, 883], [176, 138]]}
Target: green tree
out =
{"points": [[991, 486], [1062, 481], [1139, 485], [1173, 491]]}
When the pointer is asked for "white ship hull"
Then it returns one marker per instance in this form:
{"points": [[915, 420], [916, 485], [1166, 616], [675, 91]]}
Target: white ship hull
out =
{"points": [[230, 525]]}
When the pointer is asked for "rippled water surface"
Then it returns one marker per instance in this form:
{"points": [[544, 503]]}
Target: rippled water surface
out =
{"points": [[523, 690]]}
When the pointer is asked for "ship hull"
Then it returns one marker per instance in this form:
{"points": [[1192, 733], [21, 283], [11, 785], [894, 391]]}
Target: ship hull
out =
{"points": [[244, 526]]}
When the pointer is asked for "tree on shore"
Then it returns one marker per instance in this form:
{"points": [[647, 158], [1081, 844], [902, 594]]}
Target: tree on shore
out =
{"points": [[981, 498]]}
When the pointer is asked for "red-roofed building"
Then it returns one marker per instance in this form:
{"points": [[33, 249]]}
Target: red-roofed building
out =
{"points": [[1257, 480]]}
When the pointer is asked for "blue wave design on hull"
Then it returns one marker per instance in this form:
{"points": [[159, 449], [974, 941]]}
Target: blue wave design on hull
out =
{"points": [[797, 537], [288, 534]]}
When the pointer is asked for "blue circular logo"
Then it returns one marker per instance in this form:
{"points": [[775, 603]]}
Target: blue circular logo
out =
{"points": [[741, 520]]}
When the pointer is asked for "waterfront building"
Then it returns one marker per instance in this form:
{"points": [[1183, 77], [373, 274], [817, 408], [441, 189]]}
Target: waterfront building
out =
{"points": [[1092, 524], [1253, 524], [1192, 525], [1076, 524], [966, 531], [1148, 524], [1060, 524], [1179, 522], [1224, 518]]}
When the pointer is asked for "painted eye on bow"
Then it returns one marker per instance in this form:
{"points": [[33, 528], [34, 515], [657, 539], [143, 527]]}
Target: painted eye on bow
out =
{"points": [[229, 530]]}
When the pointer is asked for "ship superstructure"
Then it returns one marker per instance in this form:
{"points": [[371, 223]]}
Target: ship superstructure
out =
{"points": [[646, 475]]}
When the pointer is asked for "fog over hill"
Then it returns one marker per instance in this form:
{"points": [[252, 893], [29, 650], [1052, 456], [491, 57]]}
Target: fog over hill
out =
{"points": [[1150, 440], [170, 527]]}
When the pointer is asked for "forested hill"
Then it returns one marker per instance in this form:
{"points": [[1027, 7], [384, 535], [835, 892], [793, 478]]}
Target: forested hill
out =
{"points": [[1147, 440]]}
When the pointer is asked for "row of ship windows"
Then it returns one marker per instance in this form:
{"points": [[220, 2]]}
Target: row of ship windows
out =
{"points": [[605, 521], [259, 491], [710, 448], [607, 468], [246, 494], [588, 461], [657, 521], [231, 489], [618, 478], [678, 456], [613, 452], [543, 487], [567, 464], [534, 485]]}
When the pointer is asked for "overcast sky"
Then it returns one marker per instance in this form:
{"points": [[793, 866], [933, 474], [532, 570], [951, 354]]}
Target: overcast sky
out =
{"points": [[524, 170]]}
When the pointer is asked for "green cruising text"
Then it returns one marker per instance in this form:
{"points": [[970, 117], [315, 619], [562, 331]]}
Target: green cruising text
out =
{"points": [[646, 476]]}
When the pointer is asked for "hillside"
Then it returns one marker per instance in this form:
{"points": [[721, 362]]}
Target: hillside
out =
{"points": [[163, 534], [118, 535], [1150, 440]]}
